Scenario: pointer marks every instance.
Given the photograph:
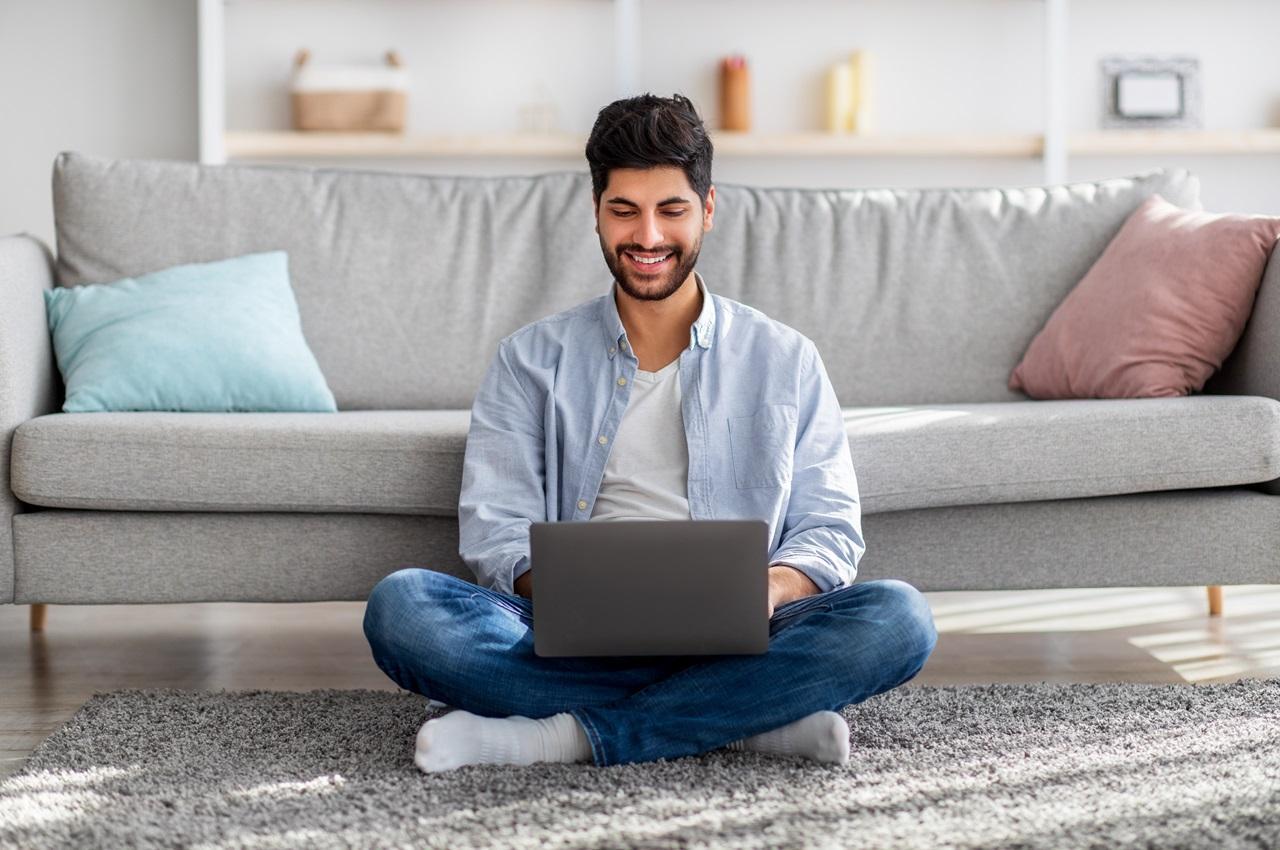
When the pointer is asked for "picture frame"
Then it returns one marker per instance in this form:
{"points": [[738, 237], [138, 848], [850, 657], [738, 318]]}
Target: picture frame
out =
{"points": [[1151, 91]]}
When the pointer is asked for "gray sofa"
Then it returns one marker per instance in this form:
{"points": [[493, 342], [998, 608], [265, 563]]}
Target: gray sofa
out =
{"points": [[920, 302]]}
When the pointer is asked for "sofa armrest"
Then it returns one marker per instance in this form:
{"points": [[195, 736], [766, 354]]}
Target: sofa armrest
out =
{"points": [[29, 382], [1253, 367]]}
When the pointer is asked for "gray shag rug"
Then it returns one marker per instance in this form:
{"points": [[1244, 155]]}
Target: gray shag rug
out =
{"points": [[1042, 765]]}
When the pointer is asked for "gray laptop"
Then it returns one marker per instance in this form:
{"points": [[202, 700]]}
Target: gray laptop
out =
{"points": [[650, 587]]}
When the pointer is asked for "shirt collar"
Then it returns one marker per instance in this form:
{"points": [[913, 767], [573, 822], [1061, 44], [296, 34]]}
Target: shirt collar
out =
{"points": [[700, 333]]}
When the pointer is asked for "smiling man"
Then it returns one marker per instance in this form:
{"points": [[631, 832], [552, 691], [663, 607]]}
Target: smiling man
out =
{"points": [[655, 400]]}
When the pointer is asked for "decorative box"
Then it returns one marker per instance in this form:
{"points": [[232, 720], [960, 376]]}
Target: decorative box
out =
{"points": [[349, 97]]}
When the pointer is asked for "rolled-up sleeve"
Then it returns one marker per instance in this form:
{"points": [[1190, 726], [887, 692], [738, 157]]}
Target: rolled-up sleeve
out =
{"points": [[822, 534], [503, 478]]}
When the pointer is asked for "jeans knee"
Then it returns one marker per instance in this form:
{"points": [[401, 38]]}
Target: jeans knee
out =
{"points": [[390, 601], [911, 617], [378, 608]]}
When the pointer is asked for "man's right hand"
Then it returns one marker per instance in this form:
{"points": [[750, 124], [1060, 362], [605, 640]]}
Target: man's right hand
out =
{"points": [[524, 584]]}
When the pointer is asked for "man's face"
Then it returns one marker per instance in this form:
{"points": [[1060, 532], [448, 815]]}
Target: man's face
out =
{"points": [[651, 223]]}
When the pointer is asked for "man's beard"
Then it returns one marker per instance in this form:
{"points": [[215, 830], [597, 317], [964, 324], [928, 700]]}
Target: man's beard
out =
{"points": [[684, 264]]}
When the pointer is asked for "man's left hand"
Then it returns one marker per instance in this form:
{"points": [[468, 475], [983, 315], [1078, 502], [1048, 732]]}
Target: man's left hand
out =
{"points": [[787, 584]]}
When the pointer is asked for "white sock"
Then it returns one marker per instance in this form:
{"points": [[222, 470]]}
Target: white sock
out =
{"points": [[822, 736], [461, 738]]}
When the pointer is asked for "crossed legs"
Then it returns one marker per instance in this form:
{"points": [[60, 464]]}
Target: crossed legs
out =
{"points": [[472, 648]]}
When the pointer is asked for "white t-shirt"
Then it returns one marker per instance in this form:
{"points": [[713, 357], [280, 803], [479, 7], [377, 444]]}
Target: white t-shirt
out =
{"points": [[647, 474]]}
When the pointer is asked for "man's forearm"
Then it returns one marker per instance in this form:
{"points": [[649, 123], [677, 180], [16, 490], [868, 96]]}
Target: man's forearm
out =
{"points": [[524, 584], [787, 584]]}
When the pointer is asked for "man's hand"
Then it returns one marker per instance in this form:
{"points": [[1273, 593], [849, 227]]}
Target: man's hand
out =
{"points": [[786, 584], [524, 584]]}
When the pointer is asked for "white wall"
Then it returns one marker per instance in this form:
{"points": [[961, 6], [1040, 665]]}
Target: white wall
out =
{"points": [[118, 77], [1240, 75]]}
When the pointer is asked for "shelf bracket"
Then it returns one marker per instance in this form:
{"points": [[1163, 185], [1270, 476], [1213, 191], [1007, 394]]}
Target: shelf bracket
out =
{"points": [[211, 56], [626, 37], [1055, 91]]}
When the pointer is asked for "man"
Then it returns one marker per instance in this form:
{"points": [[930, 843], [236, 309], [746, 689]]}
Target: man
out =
{"points": [[656, 400]]}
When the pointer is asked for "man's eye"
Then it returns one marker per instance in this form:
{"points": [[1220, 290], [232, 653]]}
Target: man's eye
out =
{"points": [[630, 213]]}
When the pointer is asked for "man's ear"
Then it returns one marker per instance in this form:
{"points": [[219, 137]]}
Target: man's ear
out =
{"points": [[595, 210], [709, 209]]}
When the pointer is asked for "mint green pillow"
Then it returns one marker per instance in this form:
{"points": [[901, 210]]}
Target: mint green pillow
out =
{"points": [[219, 336]]}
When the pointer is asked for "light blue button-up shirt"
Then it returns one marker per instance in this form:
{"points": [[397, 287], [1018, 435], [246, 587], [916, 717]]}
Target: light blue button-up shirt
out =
{"points": [[765, 435]]}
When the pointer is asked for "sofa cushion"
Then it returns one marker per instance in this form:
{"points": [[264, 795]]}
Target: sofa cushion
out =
{"points": [[217, 336], [406, 282], [965, 454], [410, 462], [383, 461]]}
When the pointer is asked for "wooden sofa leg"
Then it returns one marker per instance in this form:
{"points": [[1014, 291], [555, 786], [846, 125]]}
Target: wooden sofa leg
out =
{"points": [[37, 617], [1215, 600]]}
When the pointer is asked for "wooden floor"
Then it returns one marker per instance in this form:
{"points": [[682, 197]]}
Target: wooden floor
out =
{"points": [[1145, 635]]}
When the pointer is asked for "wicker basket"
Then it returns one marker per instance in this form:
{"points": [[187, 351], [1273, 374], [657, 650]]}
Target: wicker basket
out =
{"points": [[349, 97]]}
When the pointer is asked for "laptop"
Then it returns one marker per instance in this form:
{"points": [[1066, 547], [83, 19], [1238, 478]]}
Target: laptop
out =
{"points": [[650, 587]]}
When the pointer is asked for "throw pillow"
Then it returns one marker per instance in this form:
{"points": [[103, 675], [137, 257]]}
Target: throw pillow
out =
{"points": [[1157, 313], [218, 336]]}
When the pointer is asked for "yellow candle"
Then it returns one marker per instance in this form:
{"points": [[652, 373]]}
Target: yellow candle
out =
{"points": [[840, 94], [861, 118]]}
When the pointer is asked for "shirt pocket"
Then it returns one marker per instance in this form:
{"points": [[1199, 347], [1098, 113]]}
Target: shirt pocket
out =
{"points": [[761, 446]]}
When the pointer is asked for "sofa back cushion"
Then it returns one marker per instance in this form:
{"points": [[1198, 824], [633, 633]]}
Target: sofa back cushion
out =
{"points": [[406, 282]]}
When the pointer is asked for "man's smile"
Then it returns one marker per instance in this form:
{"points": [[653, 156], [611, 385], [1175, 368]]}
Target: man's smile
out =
{"points": [[649, 263]]}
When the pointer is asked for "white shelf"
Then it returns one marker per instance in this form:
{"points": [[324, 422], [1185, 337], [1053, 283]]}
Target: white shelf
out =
{"points": [[318, 144], [1138, 142], [843, 144], [286, 144]]}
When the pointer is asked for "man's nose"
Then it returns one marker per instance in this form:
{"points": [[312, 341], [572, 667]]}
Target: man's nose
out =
{"points": [[648, 234]]}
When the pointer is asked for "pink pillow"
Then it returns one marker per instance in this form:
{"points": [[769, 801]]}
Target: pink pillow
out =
{"points": [[1157, 313]]}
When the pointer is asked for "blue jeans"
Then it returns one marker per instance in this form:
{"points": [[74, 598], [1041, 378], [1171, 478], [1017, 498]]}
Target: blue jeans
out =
{"points": [[472, 648]]}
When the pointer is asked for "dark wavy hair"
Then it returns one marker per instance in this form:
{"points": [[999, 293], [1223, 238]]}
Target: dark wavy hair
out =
{"points": [[647, 131]]}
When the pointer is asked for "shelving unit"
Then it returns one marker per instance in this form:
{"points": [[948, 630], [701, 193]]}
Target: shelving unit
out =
{"points": [[1054, 146], [217, 144], [1114, 142]]}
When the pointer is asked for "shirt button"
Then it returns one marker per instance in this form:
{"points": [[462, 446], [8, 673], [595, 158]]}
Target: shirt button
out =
{"points": [[622, 382], [603, 440], [613, 350], [582, 505]]}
